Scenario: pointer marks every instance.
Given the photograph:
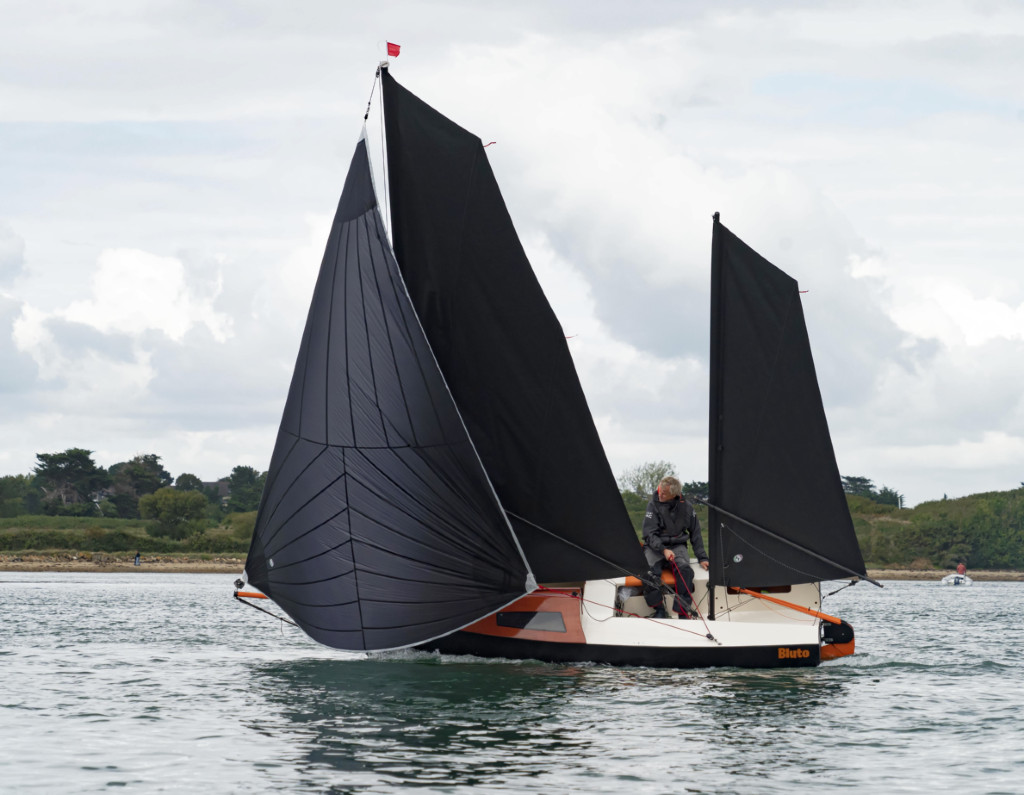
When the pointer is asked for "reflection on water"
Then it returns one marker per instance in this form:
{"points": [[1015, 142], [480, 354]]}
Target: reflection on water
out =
{"points": [[423, 719], [412, 719]]}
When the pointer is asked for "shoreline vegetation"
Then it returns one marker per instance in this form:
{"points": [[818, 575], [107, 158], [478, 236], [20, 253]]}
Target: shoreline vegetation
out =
{"points": [[106, 563]]}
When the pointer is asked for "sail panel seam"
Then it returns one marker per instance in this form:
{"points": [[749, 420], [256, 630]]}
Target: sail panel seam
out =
{"points": [[287, 490], [432, 513]]}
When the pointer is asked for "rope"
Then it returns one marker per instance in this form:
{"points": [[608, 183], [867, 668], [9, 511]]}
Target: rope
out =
{"points": [[786, 541], [373, 85], [679, 576], [576, 595], [645, 577], [279, 618]]}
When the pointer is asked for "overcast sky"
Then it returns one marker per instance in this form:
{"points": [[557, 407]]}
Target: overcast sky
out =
{"points": [[168, 171]]}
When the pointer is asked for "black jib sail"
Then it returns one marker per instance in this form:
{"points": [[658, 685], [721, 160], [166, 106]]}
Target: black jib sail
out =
{"points": [[377, 528], [501, 348], [772, 470]]}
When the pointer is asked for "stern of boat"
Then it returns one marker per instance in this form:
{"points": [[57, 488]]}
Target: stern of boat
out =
{"points": [[837, 640]]}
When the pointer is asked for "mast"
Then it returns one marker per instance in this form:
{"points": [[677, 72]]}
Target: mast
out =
{"points": [[715, 419]]}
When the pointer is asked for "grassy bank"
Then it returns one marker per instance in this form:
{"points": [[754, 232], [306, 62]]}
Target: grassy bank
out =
{"points": [[100, 562], [70, 536], [78, 561]]}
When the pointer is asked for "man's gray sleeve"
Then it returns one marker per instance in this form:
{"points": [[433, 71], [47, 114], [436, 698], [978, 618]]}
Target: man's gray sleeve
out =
{"points": [[650, 531], [696, 540]]}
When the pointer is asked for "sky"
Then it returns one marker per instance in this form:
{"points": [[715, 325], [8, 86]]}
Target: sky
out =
{"points": [[168, 172]]}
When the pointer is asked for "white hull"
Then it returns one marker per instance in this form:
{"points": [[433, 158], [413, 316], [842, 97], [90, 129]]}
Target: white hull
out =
{"points": [[605, 622]]}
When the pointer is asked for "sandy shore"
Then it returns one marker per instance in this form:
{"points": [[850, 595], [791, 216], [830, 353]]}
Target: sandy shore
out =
{"points": [[226, 564], [110, 562], [910, 574]]}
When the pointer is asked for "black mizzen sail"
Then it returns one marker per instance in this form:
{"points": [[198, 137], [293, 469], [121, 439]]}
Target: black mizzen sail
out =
{"points": [[771, 461], [501, 348], [377, 528]]}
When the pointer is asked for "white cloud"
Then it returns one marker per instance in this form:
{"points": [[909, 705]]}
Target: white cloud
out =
{"points": [[949, 312], [870, 150], [134, 291], [12, 254]]}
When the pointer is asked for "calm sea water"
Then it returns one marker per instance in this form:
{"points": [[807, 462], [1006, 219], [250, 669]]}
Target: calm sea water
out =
{"points": [[164, 683]]}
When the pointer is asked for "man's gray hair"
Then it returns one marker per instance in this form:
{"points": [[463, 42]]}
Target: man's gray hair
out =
{"points": [[670, 486]]}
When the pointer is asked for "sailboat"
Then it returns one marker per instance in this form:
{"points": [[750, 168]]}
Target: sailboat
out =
{"points": [[424, 486]]}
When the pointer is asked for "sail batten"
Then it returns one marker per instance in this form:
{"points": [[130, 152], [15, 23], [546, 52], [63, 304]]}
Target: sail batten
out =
{"points": [[778, 513], [376, 504]]}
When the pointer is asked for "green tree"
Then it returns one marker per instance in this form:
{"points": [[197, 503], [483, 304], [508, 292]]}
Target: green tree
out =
{"points": [[643, 479], [142, 475], [887, 496], [18, 496], [69, 481], [178, 514], [859, 487], [696, 488], [132, 479], [188, 482], [246, 486]]}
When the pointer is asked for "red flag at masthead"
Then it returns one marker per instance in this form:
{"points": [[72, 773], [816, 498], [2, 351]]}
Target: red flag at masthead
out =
{"points": [[393, 50]]}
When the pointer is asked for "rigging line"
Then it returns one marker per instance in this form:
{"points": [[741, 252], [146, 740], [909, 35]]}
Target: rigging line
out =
{"points": [[761, 551], [645, 577], [793, 544], [576, 595], [386, 214], [837, 590], [272, 615], [679, 576], [369, 101]]}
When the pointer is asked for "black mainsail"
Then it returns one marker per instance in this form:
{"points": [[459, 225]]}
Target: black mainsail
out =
{"points": [[501, 348], [782, 516], [377, 528]]}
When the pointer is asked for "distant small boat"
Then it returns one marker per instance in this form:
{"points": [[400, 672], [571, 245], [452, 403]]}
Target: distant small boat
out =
{"points": [[957, 579]]}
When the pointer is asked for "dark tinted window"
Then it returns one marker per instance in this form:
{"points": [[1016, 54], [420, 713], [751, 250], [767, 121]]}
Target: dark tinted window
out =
{"points": [[546, 621]]}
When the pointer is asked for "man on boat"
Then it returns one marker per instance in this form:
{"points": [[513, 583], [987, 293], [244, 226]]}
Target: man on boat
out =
{"points": [[961, 568], [669, 524]]}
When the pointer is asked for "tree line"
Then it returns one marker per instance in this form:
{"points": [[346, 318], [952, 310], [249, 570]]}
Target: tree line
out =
{"points": [[981, 530], [70, 483]]}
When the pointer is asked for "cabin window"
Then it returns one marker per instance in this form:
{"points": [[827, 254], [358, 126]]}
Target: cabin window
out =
{"points": [[546, 621], [765, 589]]}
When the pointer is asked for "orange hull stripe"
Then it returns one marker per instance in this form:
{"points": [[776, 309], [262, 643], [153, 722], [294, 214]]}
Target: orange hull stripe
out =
{"points": [[250, 595], [833, 651]]}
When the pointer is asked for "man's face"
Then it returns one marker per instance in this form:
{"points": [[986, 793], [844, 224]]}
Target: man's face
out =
{"points": [[665, 495]]}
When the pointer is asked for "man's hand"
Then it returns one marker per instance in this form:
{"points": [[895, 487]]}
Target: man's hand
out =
{"points": [[704, 565], [669, 554]]}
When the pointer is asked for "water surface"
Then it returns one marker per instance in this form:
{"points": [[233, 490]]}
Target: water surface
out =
{"points": [[162, 682]]}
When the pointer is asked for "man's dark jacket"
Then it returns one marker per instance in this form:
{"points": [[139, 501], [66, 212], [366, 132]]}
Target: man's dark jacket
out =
{"points": [[672, 524]]}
